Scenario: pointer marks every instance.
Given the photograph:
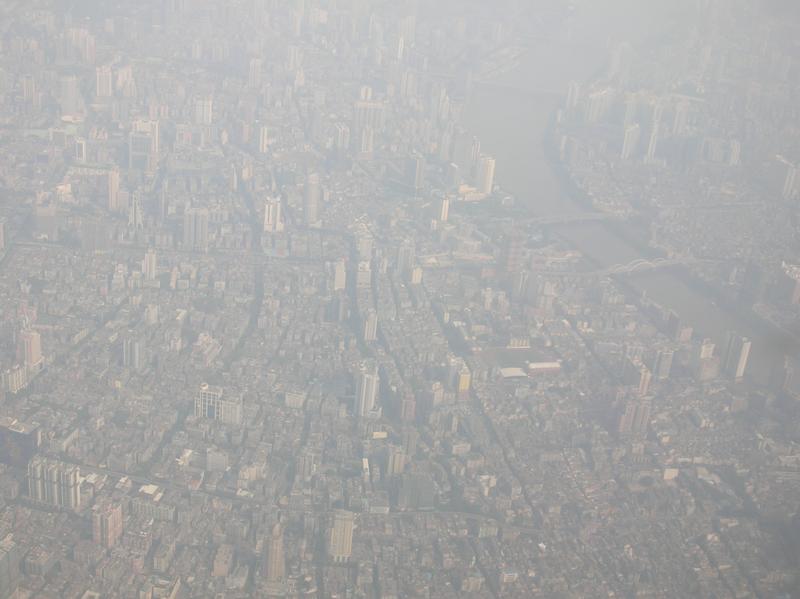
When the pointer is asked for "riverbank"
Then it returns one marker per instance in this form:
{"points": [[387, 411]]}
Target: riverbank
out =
{"points": [[518, 130]]}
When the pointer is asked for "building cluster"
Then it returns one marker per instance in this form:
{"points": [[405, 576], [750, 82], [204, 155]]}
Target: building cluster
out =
{"points": [[696, 140], [269, 327]]}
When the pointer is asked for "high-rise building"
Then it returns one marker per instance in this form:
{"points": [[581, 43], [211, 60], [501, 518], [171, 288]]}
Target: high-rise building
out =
{"points": [[29, 91], [598, 104], [645, 376], [636, 417], [706, 365], [630, 141], [275, 567], [107, 523], [80, 150], [210, 403], [203, 110], [150, 265], [513, 252], [652, 145], [406, 257], [444, 209], [70, 99], [54, 483], [342, 137], [737, 352], [681, 119], [263, 139], [366, 390], [135, 212], [339, 275], [143, 145], [15, 379], [369, 113], [573, 95], [366, 141], [371, 325], [340, 540], [195, 229], [662, 366], [29, 349], [104, 84], [10, 558], [415, 172], [189, 224], [485, 181], [408, 407], [312, 195], [254, 73], [19, 441], [396, 461], [463, 381], [113, 190], [273, 219], [132, 351]]}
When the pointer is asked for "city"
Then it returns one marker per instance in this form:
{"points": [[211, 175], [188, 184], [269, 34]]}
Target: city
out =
{"points": [[363, 299]]}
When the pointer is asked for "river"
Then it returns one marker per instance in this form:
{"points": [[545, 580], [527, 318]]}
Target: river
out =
{"points": [[511, 116]]}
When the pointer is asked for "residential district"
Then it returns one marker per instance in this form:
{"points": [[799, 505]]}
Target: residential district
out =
{"points": [[271, 327]]}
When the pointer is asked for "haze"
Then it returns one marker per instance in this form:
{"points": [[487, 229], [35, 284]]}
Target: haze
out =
{"points": [[356, 299]]}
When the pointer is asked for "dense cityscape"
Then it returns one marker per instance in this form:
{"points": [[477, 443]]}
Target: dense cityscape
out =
{"points": [[365, 299]]}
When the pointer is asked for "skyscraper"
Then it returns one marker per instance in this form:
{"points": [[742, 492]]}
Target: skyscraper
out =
{"points": [[29, 91], [54, 483], [113, 190], [311, 199], [340, 540], [150, 265], [104, 87], [652, 146], [135, 212], [513, 252], [444, 209], [406, 257], [339, 275], [143, 145], [485, 182], [132, 352], [210, 403], [415, 172], [263, 139], [737, 351], [10, 558], [203, 110], [107, 523], [29, 349], [195, 229], [342, 137], [70, 98], [254, 72], [366, 141], [663, 364], [396, 461], [681, 117], [371, 325], [366, 390], [630, 141], [273, 219], [276, 562], [645, 376], [636, 417]]}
